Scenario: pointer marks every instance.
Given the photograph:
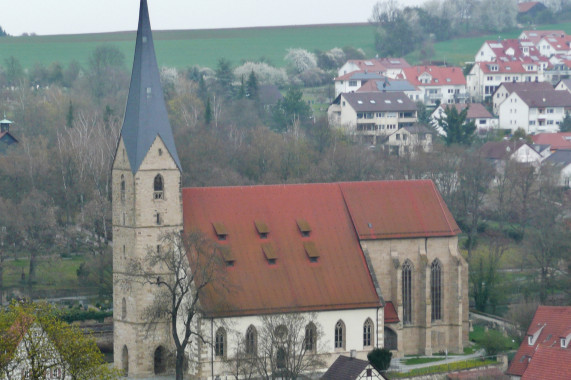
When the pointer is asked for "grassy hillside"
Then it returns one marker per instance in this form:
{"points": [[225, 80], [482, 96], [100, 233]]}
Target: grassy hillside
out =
{"points": [[193, 47]]}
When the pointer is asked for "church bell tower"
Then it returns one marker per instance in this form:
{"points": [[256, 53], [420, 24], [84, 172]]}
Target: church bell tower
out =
{"points": [[147, 203]]}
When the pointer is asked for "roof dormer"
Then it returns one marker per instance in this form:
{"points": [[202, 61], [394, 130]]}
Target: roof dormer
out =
{"points": [[532, 338]]}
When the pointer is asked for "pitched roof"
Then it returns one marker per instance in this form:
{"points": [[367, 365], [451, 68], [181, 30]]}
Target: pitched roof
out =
{"points": [[561, 157], [545, 98], [566, 82], [416, 128], [558, 42], [536, 35], [526, 86], [338, 214], [391, 315], [508, 67], [379, 101], [441, 76], [527, 6], [397, 209], [380, 64], [475, 110], [549, 363], [561, 140], [346, 368], [361, 75], [7, 138], [146, 115], [387, 85], [499, 150], [556, 320]]}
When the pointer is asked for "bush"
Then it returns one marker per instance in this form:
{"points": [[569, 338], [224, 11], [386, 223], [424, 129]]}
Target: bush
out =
{"points": [[493, 342], [380, 358]]}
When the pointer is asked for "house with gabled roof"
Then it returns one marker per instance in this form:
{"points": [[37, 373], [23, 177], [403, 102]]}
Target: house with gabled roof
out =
{"points": [[352, 81], [393, 85], [476, 112], [545, 352], [391, 67], [370, 116], [410, 140], [506, 88], [561, 161], [440, 85], [350, 368], [534, 111], [374, 264], [535, 36], [555, 141], [6, 137]]}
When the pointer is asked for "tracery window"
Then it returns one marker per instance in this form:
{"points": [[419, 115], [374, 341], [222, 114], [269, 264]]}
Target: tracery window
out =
{"points": [[407, 292], [251, 340], [310, 337], [158, 187], [436, 290], [220, 343], [368, 329], [340, 335]]}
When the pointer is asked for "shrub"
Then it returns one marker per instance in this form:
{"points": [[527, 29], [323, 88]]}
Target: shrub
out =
{"points": [[380, 358], [265, 73], [301, 60]]}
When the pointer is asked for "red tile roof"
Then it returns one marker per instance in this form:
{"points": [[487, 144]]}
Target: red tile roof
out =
{"points": [[441, 76], [549, 363], [338, 214], [398, 209], [536, 35], [511, 67], [391, 315], [527, 6], [380, 64], [561, 140], [557, 320]]}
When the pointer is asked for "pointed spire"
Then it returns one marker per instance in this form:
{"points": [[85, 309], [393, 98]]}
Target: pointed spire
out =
{"points": [[146, 114]]}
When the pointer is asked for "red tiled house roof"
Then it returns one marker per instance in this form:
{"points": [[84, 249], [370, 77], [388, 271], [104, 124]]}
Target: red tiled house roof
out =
{"points": [[338, 214], [561, 140], [441, 76], [550, 322]]}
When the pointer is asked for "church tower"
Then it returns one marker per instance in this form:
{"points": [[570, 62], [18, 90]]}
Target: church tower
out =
{"points": [[147, 202]]}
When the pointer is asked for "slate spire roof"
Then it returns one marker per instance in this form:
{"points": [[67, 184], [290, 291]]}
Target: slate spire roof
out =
{"points": [[146, 114]]}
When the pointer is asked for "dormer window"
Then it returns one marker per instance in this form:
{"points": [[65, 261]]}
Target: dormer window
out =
{"points": [[563, 343], [220, 230], [227, 255], [262, 229], [158, 187], [269, 253], [311, 251], [304, 227]]}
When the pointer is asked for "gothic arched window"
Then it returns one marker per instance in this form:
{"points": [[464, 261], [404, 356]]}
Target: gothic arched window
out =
{"points": [[123, 308], [436, 289], [368, 329], [160, 363], [407, 292], [122, 187], [310, 337], [220, 343], [158, 187], [125, 359], [340, 335], [251, 340]]}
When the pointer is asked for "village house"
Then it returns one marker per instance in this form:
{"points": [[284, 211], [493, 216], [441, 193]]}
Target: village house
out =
{"points": [[393, 85], [563, 85], [561, 160], [390, 67], [370, 116], [373, 264], [535, 36], [506, 88], [534, 111], [409, 140], [350, 368], [486, 77], [499, 152], [6, 137], [439, 85], [545, 352], [476, 112], [354, 80], [506, 50]]}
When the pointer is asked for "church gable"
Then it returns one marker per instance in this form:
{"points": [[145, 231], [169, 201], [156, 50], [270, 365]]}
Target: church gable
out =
{"points": [[293, 247], [158, 157]]}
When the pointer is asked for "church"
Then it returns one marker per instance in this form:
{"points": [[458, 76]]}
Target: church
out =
{"points": [[375, 263]]}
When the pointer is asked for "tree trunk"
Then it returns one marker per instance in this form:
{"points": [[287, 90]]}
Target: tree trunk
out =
{"points": [[32, 269], [179, 365]]}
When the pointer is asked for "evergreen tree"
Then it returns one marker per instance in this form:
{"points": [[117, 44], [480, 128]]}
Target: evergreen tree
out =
{"points": [[457, 129], [252, 86], [290, 109], [565, 125], [224, 77]]}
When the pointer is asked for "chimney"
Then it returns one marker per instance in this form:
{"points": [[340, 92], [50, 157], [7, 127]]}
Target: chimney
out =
{"points": [[353, 354]]}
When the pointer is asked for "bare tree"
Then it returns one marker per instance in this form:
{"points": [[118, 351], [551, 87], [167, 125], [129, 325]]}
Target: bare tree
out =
{"points": [[196, 266], [242, 364], [288, 346]]}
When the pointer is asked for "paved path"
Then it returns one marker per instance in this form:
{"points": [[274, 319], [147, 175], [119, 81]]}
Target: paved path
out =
{"points": [[397, 364]]}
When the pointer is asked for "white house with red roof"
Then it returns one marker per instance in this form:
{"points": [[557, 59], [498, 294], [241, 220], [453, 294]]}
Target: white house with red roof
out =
{"points": [[485, 77], [354, 80], [545, 352], [536, 35], [439, 85], [554, 45], [510, 49], [556, 141], [534, 111]]}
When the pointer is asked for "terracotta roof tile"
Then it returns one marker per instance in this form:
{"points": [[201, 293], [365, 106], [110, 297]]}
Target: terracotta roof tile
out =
{"points": [[441, 76], [549, 363], [561, 140], [391, 315]]}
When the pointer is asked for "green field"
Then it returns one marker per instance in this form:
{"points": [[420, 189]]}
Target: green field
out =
{"points": [[186, 48]]}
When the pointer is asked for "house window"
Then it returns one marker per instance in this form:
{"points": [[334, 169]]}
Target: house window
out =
{"points": [[340, 335], [352, 83], [122, 187], [158, 187], [407, 292], [310, 337], [368, 333], [436, 290], [251, 340], [220, 343]]}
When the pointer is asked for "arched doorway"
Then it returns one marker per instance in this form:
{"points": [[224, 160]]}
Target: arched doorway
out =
{"points": [[160, 360], [391, 339]]}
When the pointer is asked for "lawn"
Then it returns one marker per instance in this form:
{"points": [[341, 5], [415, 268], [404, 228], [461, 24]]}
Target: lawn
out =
{"points": [[186, 48], [53, 274], [413, 361]]}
